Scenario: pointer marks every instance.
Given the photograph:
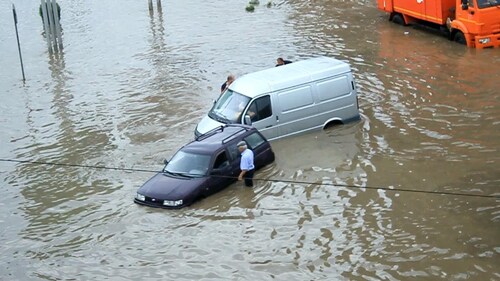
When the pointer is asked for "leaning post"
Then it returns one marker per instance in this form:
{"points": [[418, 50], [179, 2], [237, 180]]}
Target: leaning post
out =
{"points": [[18, 44]]}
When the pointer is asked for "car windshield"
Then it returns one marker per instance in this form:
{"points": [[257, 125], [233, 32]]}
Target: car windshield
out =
{"points": [[228, 107], [188, 164]]}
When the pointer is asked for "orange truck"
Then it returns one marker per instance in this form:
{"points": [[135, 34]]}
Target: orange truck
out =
{"points": [[472, 22]]}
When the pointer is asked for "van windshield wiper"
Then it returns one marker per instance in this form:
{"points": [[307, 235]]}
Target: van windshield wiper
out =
{"points": [[214, 116], [219, 117], [225, 119]]}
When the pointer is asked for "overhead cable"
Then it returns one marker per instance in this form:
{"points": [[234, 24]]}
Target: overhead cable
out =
{"points": [[260, 179]]}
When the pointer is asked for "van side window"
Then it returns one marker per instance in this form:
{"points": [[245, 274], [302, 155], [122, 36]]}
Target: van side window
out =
{"points": [[254, 140], [260, 109]]}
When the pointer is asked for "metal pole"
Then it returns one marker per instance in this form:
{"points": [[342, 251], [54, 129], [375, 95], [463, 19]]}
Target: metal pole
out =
{"points": [[150, 2], [18, 44], [45, 18], [158, 4], [57, 23], [52, 24]]}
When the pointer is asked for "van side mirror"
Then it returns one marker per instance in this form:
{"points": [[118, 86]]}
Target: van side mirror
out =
{"points": [[465, 4], [248, 120]]}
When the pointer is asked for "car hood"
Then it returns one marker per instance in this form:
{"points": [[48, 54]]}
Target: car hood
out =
{"points": [[166, 187]]}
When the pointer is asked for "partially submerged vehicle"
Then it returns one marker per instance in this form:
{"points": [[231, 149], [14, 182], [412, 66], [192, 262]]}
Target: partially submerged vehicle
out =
{"points": [[288, 100], [204, 166]]}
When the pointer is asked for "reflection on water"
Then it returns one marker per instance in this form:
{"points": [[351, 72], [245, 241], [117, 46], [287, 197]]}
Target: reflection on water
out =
{"points": [[128, 90]]}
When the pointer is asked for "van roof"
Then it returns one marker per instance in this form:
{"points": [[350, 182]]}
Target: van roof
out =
{"points": [[296, 73]]}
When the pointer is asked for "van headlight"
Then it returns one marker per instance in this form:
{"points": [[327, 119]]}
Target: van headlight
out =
{"points": [[484, 40], [172, 203], [140, 197]]}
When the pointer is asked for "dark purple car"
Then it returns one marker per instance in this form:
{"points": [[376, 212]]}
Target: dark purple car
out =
{"points": [[204, 166]]}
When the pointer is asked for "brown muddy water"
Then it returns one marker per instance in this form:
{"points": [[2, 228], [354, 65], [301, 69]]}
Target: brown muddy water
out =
{"points": [[128, 90]]}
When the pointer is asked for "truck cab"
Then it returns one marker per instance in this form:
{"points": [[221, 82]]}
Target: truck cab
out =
{"points": [[475, 23]]}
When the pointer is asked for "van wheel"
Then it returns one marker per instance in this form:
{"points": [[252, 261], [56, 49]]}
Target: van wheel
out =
{"points": [[459, 38], [398, 19], [332, 124]]}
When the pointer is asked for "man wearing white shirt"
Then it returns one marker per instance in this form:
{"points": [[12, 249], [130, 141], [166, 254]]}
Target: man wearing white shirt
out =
{"points": [[246, 164]]}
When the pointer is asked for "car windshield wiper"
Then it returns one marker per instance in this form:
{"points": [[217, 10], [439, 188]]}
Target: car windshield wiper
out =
{"points": [[186, 175]]}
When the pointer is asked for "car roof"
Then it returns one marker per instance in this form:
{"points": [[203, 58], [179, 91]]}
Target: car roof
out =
{"points": [[215, 139]]}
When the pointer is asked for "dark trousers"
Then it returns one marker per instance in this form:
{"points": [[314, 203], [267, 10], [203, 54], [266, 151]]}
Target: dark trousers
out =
{"points": [[249, 178]]}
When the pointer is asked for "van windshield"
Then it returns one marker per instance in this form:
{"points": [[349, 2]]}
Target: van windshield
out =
{"points": [[228, 107]]}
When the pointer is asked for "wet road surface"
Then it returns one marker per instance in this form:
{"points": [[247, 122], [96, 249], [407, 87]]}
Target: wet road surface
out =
{"points": [[128, 91]]}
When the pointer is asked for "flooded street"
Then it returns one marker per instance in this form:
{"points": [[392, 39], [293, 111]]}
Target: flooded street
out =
{"points": [[128, 90]]}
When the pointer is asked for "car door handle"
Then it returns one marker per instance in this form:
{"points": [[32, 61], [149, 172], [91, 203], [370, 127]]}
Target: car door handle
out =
{"points": [[269, 126]]}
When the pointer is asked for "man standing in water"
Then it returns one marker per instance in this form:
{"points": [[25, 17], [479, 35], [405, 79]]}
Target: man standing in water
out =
{"points": [[246, 164]]}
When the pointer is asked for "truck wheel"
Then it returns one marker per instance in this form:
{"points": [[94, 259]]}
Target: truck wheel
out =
{"points": [[459, 38], [398, 19]]}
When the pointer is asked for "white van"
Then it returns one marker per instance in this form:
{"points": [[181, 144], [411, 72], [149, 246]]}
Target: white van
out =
{"points": [[289, 99]]}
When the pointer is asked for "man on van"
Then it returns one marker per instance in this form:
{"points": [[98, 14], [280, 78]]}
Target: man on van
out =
{"points": [[228, 82], [246, 164], [281, 61]]}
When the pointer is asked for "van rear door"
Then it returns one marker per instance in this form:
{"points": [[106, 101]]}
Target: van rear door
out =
{"points": [[336, 98]]}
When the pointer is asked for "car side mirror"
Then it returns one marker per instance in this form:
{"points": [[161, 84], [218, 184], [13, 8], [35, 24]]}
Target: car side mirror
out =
{"points": [[465, 4], [248, 120], [165, 161]]}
